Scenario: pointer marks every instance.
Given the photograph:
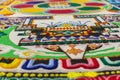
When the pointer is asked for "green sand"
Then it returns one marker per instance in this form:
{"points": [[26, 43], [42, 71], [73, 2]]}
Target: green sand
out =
{"points": [[43, 5], [116, 23], [91, 52], [74, 4], [46, 5], [103, 53], [115, 8], [6, 41], [108, 54], [89, 8]]}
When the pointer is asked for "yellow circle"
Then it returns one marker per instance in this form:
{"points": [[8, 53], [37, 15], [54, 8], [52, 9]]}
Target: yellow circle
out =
{"points": [[118, 72], [2, 73], [113, 72], [52, 75], [32, 75], [25, 75], [56, 75], [17, 74], [46, 75], [107, 72], [101, 73], [39, 75], [9, 74]]}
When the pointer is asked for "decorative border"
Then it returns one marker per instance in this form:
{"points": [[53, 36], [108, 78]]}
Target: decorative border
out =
{"points": [[71, 75]]}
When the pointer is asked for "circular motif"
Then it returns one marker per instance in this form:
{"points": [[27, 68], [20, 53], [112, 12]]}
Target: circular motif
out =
{"points": [[55, 7]]}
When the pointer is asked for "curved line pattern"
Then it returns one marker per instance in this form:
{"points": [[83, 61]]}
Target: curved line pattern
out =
{"points": [[29, 65], [108, 62], [15, 63], [92, 64]]}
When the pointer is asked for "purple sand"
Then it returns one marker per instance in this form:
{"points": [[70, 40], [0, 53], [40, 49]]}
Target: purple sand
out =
{"points": [[35, 2], [119, 6]]}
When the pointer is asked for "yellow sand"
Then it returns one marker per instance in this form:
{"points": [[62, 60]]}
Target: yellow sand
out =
{"points": [[32, 10], [8, 2], [80, 1], [5, 7], [16, 2], [2, 6], [6, 12]]}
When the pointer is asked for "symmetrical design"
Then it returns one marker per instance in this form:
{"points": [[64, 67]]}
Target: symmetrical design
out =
{"points": [[68, 46], [40, 7]]}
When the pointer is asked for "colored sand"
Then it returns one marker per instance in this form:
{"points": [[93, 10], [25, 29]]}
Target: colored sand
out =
{"points": [[43, 5], [65, 11], [71, 4], [35, 2], [114, 9], [31, 10], [6, 12], [57, 0], [89, 8], [23, 6], [74, 4], [80, 1], [94, 4]]}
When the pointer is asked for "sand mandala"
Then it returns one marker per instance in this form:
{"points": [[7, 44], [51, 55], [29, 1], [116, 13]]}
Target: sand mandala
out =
{"points": [[59, 40], [42, 7]]}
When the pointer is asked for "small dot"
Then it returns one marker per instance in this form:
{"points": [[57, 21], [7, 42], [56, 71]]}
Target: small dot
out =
{"points": [[46, 75], [39, 75], [52, 75], [118, 72], [107, 72], [101, 73], [112, 72]]}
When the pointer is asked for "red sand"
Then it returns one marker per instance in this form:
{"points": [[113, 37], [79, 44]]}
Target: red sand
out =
{"points": [[23, 6], [94, 4], [64, 11]]}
